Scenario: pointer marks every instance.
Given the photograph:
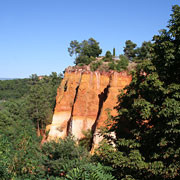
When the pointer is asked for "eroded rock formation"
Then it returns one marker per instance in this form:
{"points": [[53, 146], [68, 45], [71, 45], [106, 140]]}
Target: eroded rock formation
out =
{"points": [[82, 100]]}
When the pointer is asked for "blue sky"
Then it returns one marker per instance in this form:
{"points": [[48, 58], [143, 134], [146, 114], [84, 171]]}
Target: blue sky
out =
{"points": [[35, 34]]}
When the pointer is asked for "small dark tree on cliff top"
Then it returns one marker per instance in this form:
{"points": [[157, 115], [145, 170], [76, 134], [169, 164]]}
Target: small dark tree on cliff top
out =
{"points": [[144, 52], [114, 52], [129, 50]]}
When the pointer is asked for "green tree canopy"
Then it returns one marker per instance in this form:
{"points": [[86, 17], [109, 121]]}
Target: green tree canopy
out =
{"points": [[147, 126], [167, 49], [144, 52], [84, 51], [74, 48], [108, 54], [129, 50], [41, 99], [20, 156]]}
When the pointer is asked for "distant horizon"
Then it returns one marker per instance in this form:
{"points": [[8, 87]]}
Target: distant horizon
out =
{"points": [[3, 79], [12, 78], [35, 34]]}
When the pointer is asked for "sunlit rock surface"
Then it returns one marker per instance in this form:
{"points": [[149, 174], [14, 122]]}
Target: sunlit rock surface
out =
{"points": [[82, 101]]}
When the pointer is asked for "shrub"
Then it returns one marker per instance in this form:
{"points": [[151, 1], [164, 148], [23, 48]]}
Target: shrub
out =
{"points": [[62, 156], [119, 65], [112, 65], [86, 142], [108, 57], [83, 60], [66, 160], [95, 65], [122, 63]]}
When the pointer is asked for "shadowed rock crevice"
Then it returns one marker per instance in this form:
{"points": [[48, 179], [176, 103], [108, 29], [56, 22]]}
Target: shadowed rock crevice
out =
{"points": [[69, 124], [102, 98], [65, 86], [81, 101]]}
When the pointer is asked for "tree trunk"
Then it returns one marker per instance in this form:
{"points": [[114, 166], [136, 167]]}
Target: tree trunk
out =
{"points": [[38, 130]]}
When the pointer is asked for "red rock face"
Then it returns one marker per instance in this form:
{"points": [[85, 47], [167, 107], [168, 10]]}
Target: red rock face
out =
{"points": [[117, 81], [64, 104], [82, 100]]}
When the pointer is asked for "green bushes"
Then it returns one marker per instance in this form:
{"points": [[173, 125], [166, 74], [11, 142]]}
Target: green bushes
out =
{"points": [[66, 160], [85, 51], [119, 65], [95, 65], [22, 158], [108, 57], [90, 171], [122, 63], [86, 142], [84, 60], [12, 89], [62, 156], [20, 154], [147, 125]]}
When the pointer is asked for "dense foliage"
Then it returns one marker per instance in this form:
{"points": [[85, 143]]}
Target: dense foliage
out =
{"points": [[108, 57], [144, 52], [66, 160], [41, 99], [12, 89], [129, 50], [19, 146], [95, 65], [22, 157], [119, 65], [85, 52], [20, 153], [147, 126], [146, 144]]}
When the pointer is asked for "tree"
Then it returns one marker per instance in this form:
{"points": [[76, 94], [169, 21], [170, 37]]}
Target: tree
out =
{"points": [[66, 160], [12, 89], [167, 49], [144, 52], [114, 52], [85, 51], [108, 57], [74, 48], [122, 64], [38, 106], [20, 156], [129, 50], [91, 48], [81, 60], [108, 54], [20, 152], [147, 126], [41, 100]]}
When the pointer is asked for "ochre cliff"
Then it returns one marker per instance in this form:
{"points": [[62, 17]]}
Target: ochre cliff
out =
{"points": [[82, 100]]}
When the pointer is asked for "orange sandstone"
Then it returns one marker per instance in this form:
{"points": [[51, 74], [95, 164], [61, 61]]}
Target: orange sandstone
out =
{"points": [[82, 100]]}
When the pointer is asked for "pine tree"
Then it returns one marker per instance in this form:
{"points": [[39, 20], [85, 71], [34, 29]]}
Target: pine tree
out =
{"points": [[114, 52], [129, 50]]}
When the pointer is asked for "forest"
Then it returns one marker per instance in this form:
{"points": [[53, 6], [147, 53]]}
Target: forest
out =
{"points": [[147, 127]]}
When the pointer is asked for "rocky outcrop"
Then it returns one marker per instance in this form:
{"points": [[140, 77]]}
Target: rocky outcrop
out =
{"points": [[82, 100]]}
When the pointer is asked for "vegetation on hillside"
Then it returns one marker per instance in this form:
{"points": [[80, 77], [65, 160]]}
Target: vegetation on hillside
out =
{"points": [[87, 54], [13, 89], [147, 127]]}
